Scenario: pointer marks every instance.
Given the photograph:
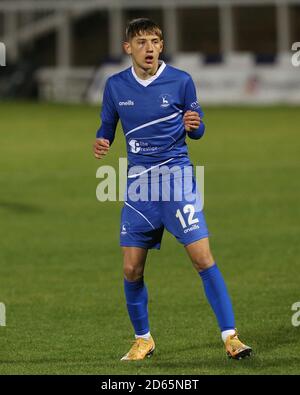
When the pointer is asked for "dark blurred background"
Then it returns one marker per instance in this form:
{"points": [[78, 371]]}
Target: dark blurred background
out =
{"points": [[64, 50]]}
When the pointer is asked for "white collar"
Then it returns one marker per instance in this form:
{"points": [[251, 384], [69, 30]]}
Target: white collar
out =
{"points": [[152, 78]]}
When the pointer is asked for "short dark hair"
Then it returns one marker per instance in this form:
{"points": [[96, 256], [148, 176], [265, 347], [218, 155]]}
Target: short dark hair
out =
{"points": [[142, 25]]}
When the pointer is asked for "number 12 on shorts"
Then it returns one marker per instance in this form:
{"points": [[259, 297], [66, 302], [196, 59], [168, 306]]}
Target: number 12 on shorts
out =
{"points": [[187, 209]]}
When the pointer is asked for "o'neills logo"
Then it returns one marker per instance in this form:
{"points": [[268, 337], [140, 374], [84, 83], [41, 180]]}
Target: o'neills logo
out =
{"points": [[126, 103], [194, 227]]}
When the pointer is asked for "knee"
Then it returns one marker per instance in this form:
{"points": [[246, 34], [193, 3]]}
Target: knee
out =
{"points": [[133, 263], [132, 272], [203, 260]]}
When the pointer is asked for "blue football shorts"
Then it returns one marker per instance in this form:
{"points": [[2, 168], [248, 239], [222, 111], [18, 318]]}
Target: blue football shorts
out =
{"points": [[149, 208]]}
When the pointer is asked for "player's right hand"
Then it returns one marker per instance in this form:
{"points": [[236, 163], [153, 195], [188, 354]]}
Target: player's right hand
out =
{"points": [[101, 147]]}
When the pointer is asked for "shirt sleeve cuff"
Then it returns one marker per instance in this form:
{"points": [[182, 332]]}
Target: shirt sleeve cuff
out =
{"points": [[198, 133]]}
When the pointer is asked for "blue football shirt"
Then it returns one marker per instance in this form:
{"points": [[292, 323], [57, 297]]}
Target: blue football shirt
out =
{"points": [[151, 113]]}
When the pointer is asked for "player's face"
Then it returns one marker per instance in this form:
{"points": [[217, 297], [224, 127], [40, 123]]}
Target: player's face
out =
{"points": [[144, 50]]}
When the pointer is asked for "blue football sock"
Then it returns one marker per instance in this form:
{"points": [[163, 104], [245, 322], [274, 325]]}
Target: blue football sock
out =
{"points": [[218, 297], [137, 305]]}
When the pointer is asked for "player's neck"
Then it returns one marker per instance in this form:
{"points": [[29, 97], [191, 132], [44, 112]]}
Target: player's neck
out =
{"points": [[148, 73]]}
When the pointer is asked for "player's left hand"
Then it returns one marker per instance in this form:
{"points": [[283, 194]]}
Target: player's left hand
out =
{"points": [[191, 120]]}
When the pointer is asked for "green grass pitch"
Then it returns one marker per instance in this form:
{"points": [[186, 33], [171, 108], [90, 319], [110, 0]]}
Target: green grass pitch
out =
{"points": [[60, 263]]}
